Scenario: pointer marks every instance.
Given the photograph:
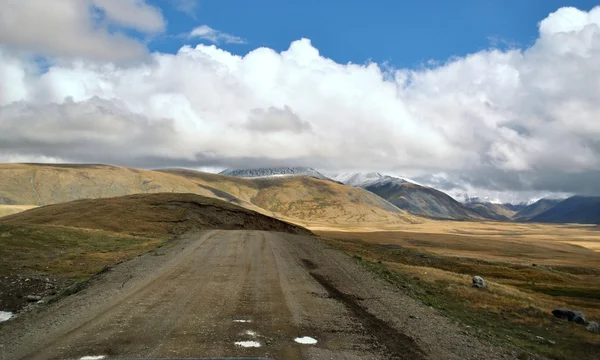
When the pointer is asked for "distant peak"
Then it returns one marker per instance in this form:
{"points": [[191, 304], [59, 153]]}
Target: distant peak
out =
{"points": [[366, 179], [273, 172]]}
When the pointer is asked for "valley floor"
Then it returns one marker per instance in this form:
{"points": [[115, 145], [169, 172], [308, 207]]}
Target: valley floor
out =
{"points": [[530, 270], [208, 290]]}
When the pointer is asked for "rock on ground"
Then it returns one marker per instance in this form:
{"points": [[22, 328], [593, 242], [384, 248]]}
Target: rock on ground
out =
{"points": [[478, 282], [593, 327], [570, 315]]}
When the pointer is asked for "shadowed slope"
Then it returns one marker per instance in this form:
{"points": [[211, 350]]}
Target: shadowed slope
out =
{"points": [[534, 209], [406, 195], [576, 209], [151, 214]]}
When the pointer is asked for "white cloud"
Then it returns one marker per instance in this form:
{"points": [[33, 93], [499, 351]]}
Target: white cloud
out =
{"points": [[86, 130], [275, 119], [520, 120], [187, 6], [135, 14], [77, 28], [214, 36]]}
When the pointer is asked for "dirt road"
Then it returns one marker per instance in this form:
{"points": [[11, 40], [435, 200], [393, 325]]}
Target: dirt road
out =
{"points": [[216, 292]]}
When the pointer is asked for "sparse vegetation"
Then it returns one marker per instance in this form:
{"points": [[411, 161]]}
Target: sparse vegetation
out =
{"points": [[77, 239], [515, 309], [65, 251]]}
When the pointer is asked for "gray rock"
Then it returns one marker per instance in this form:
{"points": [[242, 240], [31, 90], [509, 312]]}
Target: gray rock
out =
{"points": [[564, 313], [478, 282], [593, 327], [33, 298], [579, 318]]}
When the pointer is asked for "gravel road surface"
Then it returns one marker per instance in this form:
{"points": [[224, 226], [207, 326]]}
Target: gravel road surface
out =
{"points": [[240, 294]]}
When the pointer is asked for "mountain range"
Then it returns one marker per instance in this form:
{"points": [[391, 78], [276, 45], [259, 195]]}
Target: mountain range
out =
{"points": [[298, 194], [428, 202]]}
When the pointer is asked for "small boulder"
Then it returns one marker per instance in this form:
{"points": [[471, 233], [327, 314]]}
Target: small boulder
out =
{"points": [[478, 282], [593, 327]]}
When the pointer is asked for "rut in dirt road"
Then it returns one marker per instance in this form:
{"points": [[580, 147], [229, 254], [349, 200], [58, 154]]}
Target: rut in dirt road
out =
{"points": [[395, 344], [234, 294]]}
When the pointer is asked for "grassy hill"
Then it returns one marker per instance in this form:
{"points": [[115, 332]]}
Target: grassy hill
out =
{"points": [[302, 199], [150, 215], [492, 211]]}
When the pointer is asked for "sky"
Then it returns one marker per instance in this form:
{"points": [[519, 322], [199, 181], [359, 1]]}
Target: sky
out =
{"points": [[497, 99]]}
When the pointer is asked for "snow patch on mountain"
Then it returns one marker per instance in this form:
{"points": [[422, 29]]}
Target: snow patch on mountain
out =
{"points": [[369, 179], [273, 172]]}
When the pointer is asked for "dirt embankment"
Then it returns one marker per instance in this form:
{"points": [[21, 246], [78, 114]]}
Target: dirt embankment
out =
{"points": [[152, 214]]}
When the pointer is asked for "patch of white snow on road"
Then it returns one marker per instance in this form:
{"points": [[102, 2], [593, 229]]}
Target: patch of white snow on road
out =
{"points": [[247, 344], [250, 333], [96, 357], [306, 340], [242, 321], [5, 315]]}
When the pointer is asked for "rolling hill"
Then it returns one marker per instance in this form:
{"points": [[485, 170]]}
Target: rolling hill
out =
{"points": [[491, 211], [576, 209], [151, 215], [306, 199], [300, 199], [409, 196]]}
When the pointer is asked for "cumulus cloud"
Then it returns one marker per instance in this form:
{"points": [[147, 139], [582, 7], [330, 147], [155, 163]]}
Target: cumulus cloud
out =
{"points": [[135, 14], [77, 28], [92, 130], [215, 36], [187, 6], [275, 119], [516, 120]]}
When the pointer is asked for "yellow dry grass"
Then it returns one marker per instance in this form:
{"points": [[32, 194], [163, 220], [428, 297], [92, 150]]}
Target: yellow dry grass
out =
{"points": [[436, 267], [297, 199], [13, 209], [516, 242]]}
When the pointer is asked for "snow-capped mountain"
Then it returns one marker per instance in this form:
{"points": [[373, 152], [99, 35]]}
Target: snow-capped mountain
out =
{"points": [[368, 179], [273, 172], [467, 199], [408, 195]]}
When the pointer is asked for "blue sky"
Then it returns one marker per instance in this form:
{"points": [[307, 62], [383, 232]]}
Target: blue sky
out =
{"points": [[402, 33], [513, 124]]}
